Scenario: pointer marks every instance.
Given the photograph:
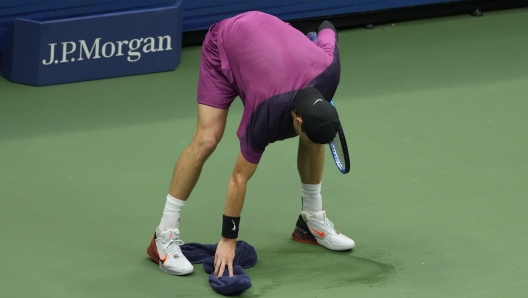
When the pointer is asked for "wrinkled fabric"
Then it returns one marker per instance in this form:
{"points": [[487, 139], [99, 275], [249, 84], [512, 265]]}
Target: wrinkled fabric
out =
{"points": [[245, 257]]}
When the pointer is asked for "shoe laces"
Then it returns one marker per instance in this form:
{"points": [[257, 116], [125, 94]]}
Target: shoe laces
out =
{"points": [[172, 248], [328, 223]]}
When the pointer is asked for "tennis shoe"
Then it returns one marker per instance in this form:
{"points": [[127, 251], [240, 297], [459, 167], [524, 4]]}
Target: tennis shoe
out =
{"points": [[165, 251], [316, 228]]}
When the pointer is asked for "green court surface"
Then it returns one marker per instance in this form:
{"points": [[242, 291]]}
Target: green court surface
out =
{"points": [[436, 114]]}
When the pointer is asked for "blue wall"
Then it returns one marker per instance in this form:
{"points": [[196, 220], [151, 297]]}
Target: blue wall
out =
{"points": [[200, 14], [197, 14]]}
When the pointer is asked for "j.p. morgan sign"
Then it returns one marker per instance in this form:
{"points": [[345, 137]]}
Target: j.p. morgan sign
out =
{"points": [[94, 47], [132, 49]]}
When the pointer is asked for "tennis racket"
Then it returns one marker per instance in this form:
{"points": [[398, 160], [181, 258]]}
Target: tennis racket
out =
{"points": [[339, 150], [338, 146]]}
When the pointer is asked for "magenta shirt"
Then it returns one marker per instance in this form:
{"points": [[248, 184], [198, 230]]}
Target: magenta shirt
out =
{"points": [[265, 61]]}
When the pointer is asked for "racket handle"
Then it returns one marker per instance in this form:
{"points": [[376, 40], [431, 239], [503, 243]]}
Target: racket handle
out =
{"points": [[312, 36]]}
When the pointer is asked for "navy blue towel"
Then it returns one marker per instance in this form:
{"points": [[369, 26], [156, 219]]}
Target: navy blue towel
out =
{"points": [[245, 257]]}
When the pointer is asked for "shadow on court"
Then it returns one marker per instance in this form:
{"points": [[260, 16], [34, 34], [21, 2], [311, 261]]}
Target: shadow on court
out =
{"points": [[313, 269]]}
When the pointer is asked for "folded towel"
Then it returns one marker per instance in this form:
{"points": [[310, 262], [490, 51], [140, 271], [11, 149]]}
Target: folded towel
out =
{"points": [[245, 257], [225, 285]]}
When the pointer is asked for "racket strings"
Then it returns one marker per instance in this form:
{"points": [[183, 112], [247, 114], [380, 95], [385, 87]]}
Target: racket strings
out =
{"points": [[338, 148]]}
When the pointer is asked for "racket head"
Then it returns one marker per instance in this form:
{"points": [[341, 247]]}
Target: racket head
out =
{"points": [[339, 150]]}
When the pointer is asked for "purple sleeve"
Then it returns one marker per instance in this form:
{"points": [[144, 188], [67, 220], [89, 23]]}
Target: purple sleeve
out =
{"points": [[327, 39]]}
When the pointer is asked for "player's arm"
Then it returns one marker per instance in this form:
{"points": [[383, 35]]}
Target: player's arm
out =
{"points": [[236, 192], [327, 37], [326, 25]]}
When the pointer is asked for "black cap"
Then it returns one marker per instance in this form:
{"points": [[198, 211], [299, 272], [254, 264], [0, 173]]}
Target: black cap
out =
{"points": [[320, 119]]}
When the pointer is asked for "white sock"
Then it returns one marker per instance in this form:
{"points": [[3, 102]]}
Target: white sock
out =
{"points": [[171, 213], [311, 197]]}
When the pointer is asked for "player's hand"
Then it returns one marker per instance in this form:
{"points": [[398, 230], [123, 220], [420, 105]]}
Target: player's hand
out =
{"points": [[225, 253]]}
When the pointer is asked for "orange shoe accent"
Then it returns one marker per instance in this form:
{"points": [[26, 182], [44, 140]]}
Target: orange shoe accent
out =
{"points": [[305, 241], [164, 259], [152, 251], [318, 233]]}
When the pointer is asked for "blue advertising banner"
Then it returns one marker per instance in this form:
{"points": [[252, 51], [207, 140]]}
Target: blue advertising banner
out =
{"points": [[93, 47], [41, 10]]}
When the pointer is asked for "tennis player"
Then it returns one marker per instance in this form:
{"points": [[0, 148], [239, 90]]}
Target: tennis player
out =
{"points": [[285, 82]]}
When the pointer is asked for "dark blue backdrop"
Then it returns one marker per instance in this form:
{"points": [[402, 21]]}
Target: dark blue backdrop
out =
{"points": [[197, 14]]}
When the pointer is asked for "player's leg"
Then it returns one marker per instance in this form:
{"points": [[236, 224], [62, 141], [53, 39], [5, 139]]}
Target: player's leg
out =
{"points": [[310, 161], [209, 132], [164, 248], [214, 96], [312, 225]]}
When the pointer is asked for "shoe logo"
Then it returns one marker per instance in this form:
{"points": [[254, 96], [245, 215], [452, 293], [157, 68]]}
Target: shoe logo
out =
{"points": [[163, 259], [234, 226], [318, 233]]}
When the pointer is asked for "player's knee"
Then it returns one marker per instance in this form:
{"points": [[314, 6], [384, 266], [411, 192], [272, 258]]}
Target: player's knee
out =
{"points": [[206, 145]]}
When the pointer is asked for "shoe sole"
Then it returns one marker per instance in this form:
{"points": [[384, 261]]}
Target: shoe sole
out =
{"points": [[152, 253], [334, 247], [300, 237]]}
